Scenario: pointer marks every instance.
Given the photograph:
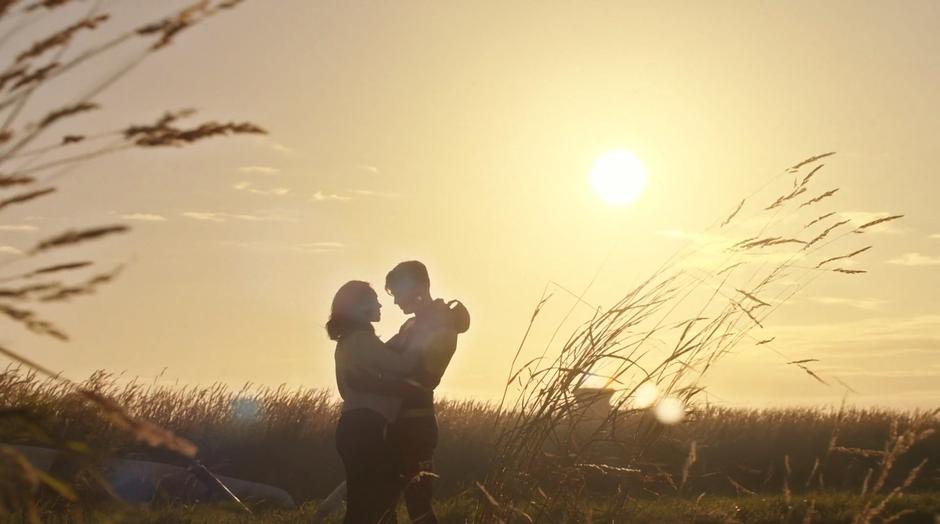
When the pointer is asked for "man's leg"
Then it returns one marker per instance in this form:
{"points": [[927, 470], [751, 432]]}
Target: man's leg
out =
{"points": [[417, 453], [419, 490]]}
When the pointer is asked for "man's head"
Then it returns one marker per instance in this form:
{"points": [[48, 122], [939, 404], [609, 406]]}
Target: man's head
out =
{"points": [[409, 283]]}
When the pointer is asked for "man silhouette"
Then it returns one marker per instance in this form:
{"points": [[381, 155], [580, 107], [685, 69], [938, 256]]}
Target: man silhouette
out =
{"points": [[430, 338]]}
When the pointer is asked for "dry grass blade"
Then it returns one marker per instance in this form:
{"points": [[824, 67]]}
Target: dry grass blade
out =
{"points": [[810, 512], [37, 76], [729, 268], [72, 237], [32, 322], [843, 257], [786, 198], [739, 488], [59, 114], [143, 430], [749, 313], [878, 221], [26, 197], [859, 452], [752, 297], [818, 219], [733, 214], [58, 268], [813, 374], [766, 341], [804, 361], [820, 198], [489, 498], [810, 175], [61, 38], [26, 292], [178, 137], [14, 180], [86, 288], [810, 160], [690, 461], [849, 271], [825, 233]]}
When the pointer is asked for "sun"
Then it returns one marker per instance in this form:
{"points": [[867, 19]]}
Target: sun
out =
{"points": [[618, 177]]}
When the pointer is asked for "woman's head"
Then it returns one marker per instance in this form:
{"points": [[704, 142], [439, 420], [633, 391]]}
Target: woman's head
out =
{"points": [[355, 305]]}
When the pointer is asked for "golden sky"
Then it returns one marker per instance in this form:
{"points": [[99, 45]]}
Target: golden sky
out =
{"points": [[462, 135]]}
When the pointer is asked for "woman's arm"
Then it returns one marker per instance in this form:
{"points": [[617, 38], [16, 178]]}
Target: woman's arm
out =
{"points": [[370, 382]]}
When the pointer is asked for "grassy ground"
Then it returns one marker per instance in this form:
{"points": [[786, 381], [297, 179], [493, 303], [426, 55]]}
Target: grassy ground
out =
{"points": [[285, 438], [744, 460], [823, 508]]}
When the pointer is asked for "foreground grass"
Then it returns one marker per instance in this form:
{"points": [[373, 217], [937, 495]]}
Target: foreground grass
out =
{"points": [[820, 508]]}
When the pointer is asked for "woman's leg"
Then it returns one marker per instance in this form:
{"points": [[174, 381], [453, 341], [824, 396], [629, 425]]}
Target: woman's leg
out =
{"points": [[370, 494]]}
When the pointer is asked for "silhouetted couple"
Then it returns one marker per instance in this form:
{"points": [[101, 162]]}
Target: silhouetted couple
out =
{"points": [[387, 431]]}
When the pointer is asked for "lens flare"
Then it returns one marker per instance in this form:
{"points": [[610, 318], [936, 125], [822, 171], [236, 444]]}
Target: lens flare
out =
{"points": [[670, 410], [645, 395]]}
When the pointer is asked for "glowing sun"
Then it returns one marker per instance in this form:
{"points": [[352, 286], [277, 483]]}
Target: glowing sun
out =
{"points": [[618, 177]]}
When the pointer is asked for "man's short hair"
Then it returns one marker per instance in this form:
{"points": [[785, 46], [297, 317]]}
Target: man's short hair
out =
{"points": [[408, 274]]}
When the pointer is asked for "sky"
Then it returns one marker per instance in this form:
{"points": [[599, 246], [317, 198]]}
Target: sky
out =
{"points": [[462, 135]]}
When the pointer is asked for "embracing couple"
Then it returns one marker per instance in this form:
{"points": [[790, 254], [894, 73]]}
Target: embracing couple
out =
{"points": [[387, 431]]}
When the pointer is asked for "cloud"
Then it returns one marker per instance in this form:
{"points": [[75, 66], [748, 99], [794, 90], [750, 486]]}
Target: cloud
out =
{"points": [[915, 259], [863, 217], [10, 250], [867, 304], [200, 215], [375, 194], [935, 236], [320, 196], [320, 247], [261, 170], [246, 186], [277, 146], [210, 216], [366, 167], [24, 227], [144, 217], [308, 247]]}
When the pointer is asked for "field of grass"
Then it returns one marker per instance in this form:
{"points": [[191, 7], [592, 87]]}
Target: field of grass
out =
{"points": [[768, 509], [745, 462]]}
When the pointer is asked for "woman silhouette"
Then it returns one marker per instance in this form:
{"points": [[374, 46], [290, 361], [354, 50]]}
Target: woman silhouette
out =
{"points": [[372, 484]]}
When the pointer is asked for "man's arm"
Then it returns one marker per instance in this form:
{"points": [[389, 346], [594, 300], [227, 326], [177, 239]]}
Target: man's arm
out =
{"points": [[439, 349], [371, 382]]}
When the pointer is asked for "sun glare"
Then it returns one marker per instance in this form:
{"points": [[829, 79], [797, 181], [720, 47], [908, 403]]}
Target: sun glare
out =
{"points": [[669, 410], [618, 177]]}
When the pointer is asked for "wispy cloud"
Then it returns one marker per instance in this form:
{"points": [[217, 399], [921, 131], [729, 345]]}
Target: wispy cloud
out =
{"points": [[864, 303], [935, 236], [320, 196], [320, 247], [23, 227], [863, 217], [260, 170], [307, 247], [144, 217], [10, 250], [374, 194], [246, 186], [201, 215], [210, 216], [366, 167], [277, 146], [915, 259]]}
